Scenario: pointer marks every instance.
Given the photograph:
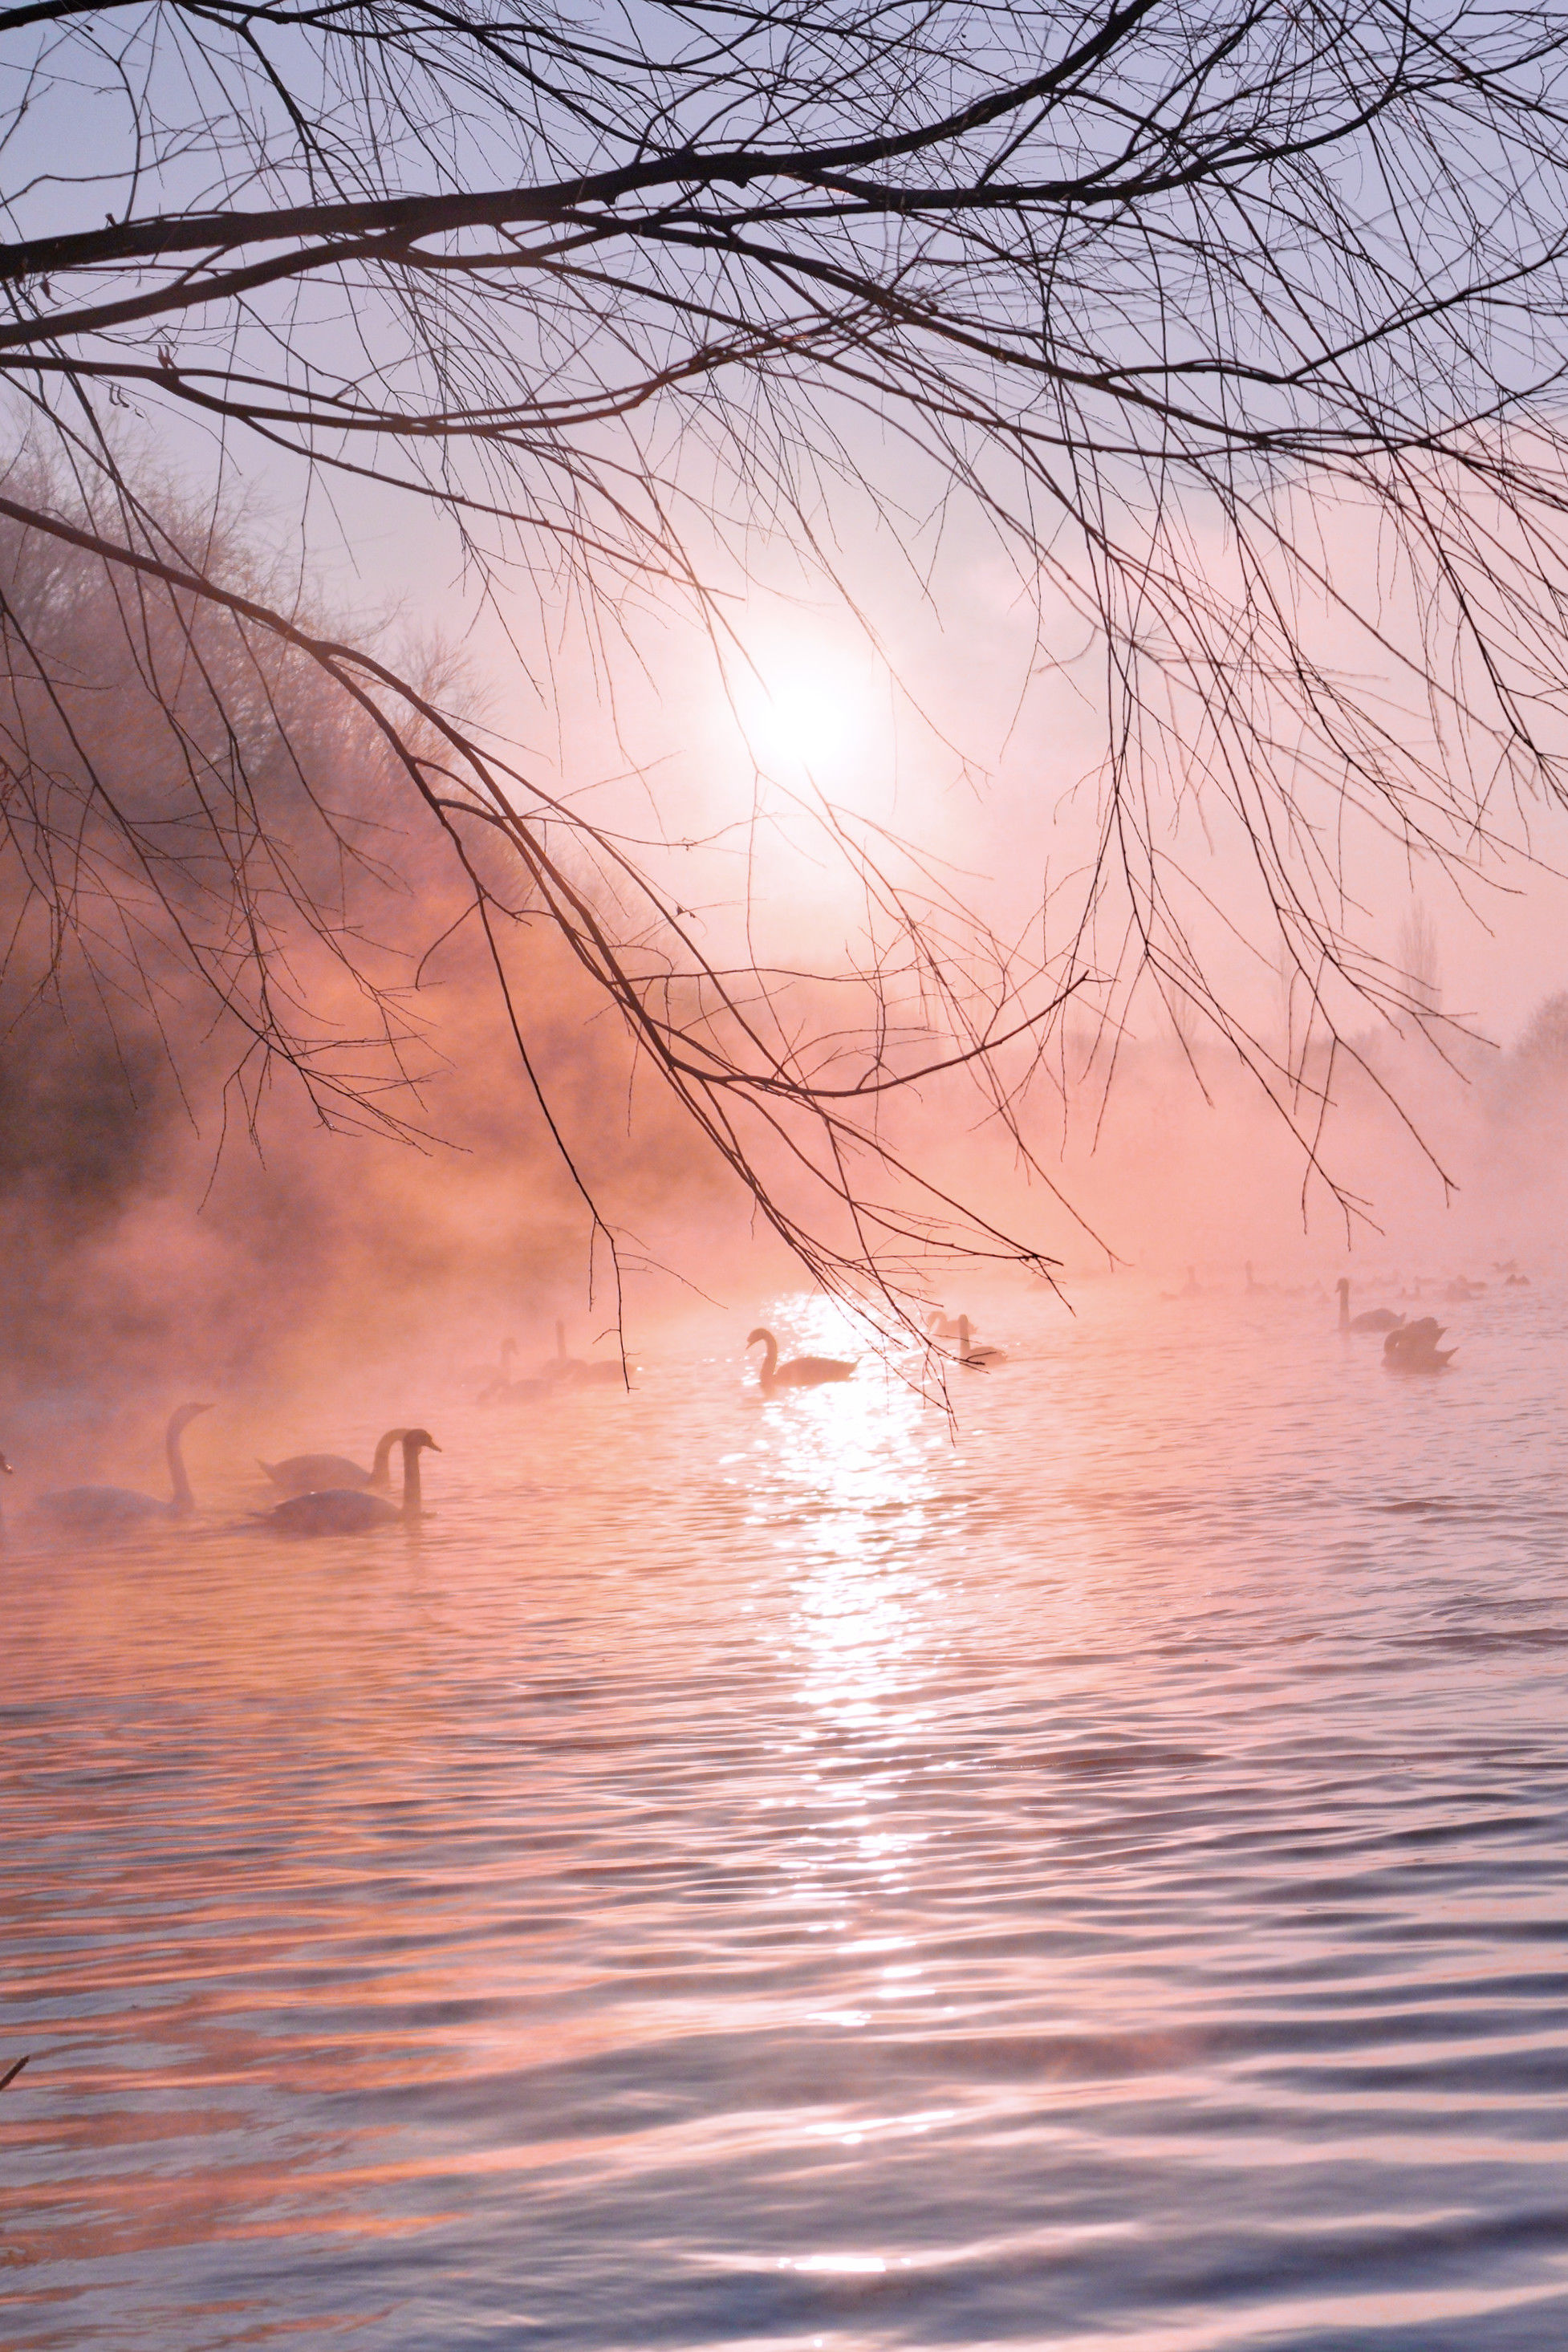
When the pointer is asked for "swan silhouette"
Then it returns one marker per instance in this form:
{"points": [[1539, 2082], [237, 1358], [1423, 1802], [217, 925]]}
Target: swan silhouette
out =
{"points": [[941, 1326], [88, 1507], [350, 1510], [1377, 1318], [563, 1367], [501, 1388], [799, 1372], [308, 1473], [499, 1383], [974, 1359], [1414, 1348]]}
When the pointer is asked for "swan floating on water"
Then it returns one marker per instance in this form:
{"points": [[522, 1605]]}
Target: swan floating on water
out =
{"points": [[974, 1359], [501, 1388], [1414, 1348], [799, 1371], [562, 1367], [1377, 1318], [308, 1473], [350, 1510], [88, 1507]]}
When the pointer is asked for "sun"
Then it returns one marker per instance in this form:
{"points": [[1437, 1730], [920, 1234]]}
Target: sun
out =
{"points": [[810, 711]]}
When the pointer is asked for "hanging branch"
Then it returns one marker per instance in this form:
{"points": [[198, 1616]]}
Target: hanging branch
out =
{"points": [[1163, 293]]}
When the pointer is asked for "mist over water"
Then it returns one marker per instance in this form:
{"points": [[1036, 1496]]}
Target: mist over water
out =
{"points": [[779, 1872]]}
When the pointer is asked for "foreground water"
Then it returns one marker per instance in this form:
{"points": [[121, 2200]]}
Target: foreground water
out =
{"points": [[768, 1874]]}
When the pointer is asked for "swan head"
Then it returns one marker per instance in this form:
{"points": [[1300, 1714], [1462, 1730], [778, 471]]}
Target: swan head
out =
{"points": [[419, 1441], [183, 1415], [1343, 1286], [759, 1338]]}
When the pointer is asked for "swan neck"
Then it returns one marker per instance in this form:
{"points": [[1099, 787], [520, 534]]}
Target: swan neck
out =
{"points": [[770, 1359], [412, 1498], [183, 1499], [380, 1476]]}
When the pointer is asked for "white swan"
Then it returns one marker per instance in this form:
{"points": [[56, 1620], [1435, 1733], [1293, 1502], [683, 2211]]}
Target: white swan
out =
{"points": [[1414, 1348], [87, 1507], [974, 1359], [502, 1388], [499, 1383], [1377, 1318], [799, 1372], [560, 1366], [573, 1367], [308, 1474], [350, 1510]]}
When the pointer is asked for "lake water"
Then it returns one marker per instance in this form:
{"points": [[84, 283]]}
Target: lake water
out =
{"points": [[775, 1875]]}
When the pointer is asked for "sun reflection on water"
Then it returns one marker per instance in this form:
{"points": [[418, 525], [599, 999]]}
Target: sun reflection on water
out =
{"points": [[814, 1878]]}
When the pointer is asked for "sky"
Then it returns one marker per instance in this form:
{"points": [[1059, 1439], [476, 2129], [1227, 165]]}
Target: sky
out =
{"points": [[970, 727]]}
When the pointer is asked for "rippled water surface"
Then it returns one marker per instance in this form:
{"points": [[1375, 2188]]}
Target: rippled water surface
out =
{"points": [[767, 1874]]}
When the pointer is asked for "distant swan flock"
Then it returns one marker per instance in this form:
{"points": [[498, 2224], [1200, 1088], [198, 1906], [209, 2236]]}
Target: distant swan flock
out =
{"points": [[326, 1494]]}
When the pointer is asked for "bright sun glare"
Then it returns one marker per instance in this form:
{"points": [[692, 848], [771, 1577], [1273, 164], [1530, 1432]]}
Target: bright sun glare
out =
{"points": [[811, 711]]}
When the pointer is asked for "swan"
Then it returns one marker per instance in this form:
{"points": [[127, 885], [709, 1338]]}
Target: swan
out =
{"points": [[974, 1359], [941, 1326], [1414, 1348], [799, 1372], [1460, 1290], [308, 1474], [1377, 1318], [501, 1388], [87, 1507], [499, 1383], [572, 1368], [560, 1366], [350, 1510]]}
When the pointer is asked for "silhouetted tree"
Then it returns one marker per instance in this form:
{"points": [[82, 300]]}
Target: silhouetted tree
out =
{"points": [[1172, 294]]}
